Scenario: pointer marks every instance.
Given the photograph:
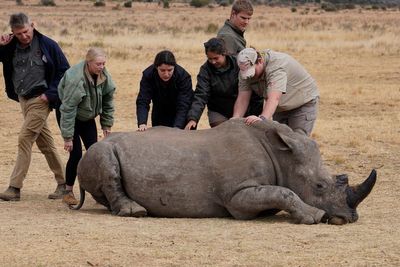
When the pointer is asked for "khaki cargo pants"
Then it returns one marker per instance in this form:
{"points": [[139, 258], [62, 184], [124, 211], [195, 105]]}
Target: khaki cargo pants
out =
{"points": [[301, 119], [35, 129]]}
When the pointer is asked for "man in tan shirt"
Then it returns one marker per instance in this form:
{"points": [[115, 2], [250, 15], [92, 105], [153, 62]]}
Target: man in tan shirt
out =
{"points": [[290, 93]]}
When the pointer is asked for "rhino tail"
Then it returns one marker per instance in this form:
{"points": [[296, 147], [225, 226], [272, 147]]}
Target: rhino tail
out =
{"points": [[81, 199]]}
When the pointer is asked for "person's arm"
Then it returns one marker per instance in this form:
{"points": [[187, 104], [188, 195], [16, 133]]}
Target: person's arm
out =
{"points": [[107, 115], [270, 105], [200, 99], [241, 104], [71, 95], [143, 102], [185, 97]]}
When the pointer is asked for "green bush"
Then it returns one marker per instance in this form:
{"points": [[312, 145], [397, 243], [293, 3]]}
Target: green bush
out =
{"points": [[329, 7], [199, 3], [99, 3], [165, 3], [47, 2]]}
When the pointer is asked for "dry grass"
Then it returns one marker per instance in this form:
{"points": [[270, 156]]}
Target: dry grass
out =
{"points": [[354, 56]]}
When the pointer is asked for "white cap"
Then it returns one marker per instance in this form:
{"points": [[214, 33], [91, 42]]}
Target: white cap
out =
{"points": [[246, 60]]}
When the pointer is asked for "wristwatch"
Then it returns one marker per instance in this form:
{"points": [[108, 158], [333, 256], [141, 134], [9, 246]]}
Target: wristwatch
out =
{"points": [[262, 118]]}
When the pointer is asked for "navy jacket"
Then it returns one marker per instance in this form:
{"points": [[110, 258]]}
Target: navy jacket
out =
{"points": [[55, 66], [171, 100]]}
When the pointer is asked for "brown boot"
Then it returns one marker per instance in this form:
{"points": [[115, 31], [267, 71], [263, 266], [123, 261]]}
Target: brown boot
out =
{"points": [[70, 199], [58, 193], [11, 194]]}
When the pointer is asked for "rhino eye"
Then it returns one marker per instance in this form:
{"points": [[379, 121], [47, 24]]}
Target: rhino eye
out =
{"points": [[320, 187]]}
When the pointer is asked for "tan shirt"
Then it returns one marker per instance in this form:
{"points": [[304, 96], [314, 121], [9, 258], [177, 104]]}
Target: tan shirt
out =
{"points": [[284, 74]]}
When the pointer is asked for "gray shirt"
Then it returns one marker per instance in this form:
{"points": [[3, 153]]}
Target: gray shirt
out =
{"points": [[29, 68]]}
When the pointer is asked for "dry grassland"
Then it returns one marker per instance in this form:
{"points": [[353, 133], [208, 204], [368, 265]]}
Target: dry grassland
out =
{"points": [[355, 58]]}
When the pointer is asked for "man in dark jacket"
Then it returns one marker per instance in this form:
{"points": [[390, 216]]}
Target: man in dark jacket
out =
{"points": [[33, 65], [233, 29], [169, 87], [232, 32]]}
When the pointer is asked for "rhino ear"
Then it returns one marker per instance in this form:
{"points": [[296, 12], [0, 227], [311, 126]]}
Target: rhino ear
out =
{"points": [[283, 141]]}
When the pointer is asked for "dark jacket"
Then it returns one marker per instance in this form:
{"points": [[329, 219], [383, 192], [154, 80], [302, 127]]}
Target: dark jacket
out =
{"points": [[215, 88], [171, 100], [233, 37], [218, 90], [55, 67]]}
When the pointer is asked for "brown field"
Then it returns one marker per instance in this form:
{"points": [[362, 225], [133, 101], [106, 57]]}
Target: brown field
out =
{"points": [[355, 58]]}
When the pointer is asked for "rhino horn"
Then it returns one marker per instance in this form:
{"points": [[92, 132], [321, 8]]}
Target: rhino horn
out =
{"points": [[356, 194]]}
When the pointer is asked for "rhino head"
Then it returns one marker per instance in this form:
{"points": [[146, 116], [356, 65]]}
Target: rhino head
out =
{"points": [[304, 173], [340, 200]]}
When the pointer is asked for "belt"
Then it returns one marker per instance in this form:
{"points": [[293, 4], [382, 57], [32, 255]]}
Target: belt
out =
{"points": [[35, 92]]}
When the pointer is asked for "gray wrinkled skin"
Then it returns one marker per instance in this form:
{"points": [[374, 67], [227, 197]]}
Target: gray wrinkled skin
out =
{"points": [[231, 170]]}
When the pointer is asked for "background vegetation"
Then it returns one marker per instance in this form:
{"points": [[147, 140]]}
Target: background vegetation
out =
{"points": [[354, 56]]}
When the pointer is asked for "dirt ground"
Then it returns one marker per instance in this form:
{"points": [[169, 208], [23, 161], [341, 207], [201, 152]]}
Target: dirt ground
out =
{"points": [[357, 130]]}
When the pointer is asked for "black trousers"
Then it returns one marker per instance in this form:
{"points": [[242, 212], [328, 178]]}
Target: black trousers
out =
{"points": [[87, 132]]}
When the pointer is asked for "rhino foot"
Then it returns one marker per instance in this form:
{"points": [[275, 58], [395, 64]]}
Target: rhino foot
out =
{"points": [[131, 209], [309, 216]]}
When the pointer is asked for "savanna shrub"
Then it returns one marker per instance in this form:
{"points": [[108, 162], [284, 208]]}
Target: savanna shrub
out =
{"points": [[47, 2], [165, 3], [128, 3], [19, 2], [329, 7], [99, 3], [211, 28], [199, 3]]}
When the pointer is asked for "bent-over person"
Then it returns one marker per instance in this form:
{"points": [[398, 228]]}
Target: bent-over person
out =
{"points": [[291, 94], [86, 91]]}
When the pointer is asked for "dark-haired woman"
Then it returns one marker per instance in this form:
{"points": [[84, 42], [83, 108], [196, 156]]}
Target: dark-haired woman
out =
{"points": [[169, 87], [217, 87]]}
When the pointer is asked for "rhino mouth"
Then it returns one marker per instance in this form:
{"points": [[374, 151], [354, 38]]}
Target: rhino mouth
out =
{"points": [[335, 220]]}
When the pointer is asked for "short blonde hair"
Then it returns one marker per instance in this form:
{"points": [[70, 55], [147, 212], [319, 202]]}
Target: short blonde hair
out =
{"points": [[94, 52]]}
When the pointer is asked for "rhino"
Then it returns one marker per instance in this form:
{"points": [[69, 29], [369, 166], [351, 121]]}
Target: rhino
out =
{"points": [[234, 169]]}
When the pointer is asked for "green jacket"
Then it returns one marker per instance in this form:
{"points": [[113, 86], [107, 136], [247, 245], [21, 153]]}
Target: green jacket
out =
{"points": [[82, 100], [233, 37]]}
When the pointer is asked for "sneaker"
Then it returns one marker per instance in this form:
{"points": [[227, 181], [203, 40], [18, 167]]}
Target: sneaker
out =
{"points": [[58, 193], [70, 199], [11, 194]]}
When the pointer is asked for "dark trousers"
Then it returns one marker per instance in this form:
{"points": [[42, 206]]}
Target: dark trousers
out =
{"points": [[87, 131]]}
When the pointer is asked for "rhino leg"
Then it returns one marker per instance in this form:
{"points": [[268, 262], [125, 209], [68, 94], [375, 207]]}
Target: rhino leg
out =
{"points": [[108, 183], [249, 202]]}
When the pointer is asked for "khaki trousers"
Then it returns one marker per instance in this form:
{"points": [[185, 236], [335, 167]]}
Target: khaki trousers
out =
{"points": [[35, 129], [301, 119]]}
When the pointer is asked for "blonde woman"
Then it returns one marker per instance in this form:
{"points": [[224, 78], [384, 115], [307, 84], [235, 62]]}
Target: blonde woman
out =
{"points": [[86, 91]]}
